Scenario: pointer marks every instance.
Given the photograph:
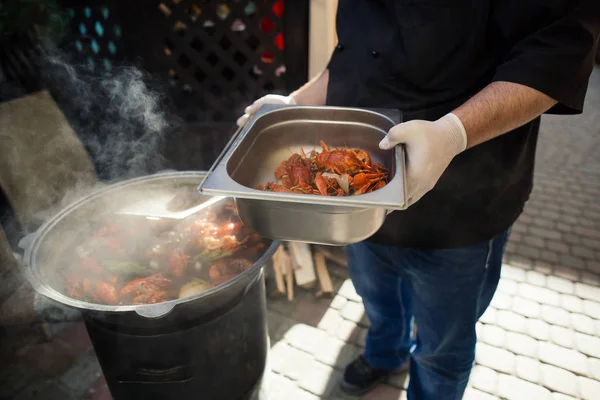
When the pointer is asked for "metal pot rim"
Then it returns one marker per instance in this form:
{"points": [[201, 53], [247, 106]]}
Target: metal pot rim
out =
{"points": [[152, 310]]}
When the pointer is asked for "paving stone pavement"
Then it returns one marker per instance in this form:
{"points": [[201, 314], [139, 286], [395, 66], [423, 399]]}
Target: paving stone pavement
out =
{"points": [[539, 339]]}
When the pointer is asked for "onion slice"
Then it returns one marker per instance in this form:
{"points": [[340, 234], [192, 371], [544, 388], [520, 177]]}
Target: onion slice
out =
{"points": [[342, 181]]}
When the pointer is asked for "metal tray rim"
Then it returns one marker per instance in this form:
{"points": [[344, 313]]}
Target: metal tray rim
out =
{"points": [[392, 196]]}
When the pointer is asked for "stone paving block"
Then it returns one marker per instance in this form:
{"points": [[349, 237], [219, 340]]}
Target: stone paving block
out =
{"points": [[561, 357], [319, 380], [289, 361], [507, 286], [484, 379], [501, 301], [82, 374], [474, 394], [586, 232], [548, 256], [335, 352], [280, 387], [538, 329], [521, 344], [587, 292], [536, 278], [571, 238], [544, 223], [561, 226], [555, 315], [354, 312], [529, 252], [348, 291], [558, 247], [590, 278], [591, 309], [588, 388], [567, 273], [539, 294], [543, 266], [520, 261], [560, 285], [571, 303], [588, 345], [348, 331], [305, 337], [545, 233], [513, 388], [528, 369], [330, 321], [560, 396], [571, 261], [301, 394], [525, 307], [559, 380], [594, 368], [338, 302], [489, 316], [513, 273], [511, 321], [593, 266], [495, 358], [582, 323], [583, 252], [519, 227], [562, 336], [493, 335]]}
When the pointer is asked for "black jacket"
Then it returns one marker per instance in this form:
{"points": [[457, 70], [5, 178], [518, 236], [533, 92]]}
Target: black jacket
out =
{"points": [[426, 57]]}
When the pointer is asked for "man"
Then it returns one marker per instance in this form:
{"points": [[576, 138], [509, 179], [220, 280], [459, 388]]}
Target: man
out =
{"points": [[472, 78]]}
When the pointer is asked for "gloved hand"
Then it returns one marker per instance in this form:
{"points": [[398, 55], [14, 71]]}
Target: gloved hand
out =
{"points": [[268, 99], [430, 146]]}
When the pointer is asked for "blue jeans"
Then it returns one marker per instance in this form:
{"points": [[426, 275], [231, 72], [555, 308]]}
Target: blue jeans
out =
{"points": [[444, 292]]}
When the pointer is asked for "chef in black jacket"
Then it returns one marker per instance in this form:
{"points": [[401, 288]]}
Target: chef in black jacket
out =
{"points": [[472, 78]]}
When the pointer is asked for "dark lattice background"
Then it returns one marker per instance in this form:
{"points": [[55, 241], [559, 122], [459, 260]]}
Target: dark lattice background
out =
{"points": [[216, 55]]}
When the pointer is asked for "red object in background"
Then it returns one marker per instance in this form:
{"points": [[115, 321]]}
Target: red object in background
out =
{"points": [[279, 41], [278, 8], [267, 26]]}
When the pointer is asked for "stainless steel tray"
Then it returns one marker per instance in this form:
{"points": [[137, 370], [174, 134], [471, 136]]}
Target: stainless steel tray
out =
{"points": [[272, 135]]}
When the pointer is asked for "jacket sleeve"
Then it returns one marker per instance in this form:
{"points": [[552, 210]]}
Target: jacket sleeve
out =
{"points": [[557, 57]]}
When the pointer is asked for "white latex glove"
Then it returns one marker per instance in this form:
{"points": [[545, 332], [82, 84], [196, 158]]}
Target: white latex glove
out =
{"points": [[430, 146], [268, 99]]}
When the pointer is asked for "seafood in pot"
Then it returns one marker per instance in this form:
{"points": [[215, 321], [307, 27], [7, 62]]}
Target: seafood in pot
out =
{"points": [[331, 172], [128, 260]]}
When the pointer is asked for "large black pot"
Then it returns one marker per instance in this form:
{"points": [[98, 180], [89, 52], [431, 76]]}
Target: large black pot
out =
{"points": [[211, 346]]}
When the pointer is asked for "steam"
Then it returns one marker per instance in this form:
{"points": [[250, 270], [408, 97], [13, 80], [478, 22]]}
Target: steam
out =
{"points": [[120, 117]]}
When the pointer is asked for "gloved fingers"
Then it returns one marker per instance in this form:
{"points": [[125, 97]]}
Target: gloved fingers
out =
{"points": [[243, 120], [398, 134], [253, 108]]}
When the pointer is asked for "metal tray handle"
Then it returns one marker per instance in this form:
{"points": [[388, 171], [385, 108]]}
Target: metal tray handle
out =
{"points": [[221, 155]]}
